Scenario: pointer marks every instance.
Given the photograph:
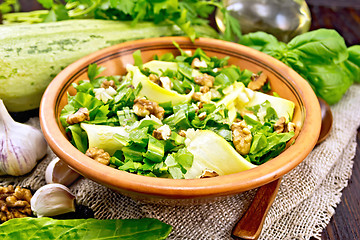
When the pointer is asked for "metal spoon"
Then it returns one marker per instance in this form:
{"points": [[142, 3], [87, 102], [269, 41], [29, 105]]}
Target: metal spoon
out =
{"points": [[251, 223]]}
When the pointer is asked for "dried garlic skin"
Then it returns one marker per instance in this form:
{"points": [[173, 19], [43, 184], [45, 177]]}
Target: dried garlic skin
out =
{"points": [[21, 145], [59, 172], [52, 200]]}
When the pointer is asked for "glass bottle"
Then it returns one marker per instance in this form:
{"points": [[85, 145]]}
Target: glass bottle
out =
{"points": [[284, 19]]}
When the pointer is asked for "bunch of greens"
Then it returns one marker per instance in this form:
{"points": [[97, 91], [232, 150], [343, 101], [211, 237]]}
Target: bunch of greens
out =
{"points": [[183, 13], [140, 151], [320, 56], [47, 228], [9, 6]]}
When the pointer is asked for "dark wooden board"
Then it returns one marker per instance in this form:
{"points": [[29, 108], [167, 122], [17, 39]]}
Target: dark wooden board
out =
{"points": [[343, 16]]}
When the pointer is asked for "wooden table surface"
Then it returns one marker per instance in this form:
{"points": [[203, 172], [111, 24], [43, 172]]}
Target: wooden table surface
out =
{"points": [[343, 16]]}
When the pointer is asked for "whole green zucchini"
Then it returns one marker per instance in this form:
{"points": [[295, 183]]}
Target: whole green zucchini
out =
{"points": [[32, 55]]}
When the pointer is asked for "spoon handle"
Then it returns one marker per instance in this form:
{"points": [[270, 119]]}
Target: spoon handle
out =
{"points": [[250, 225]]}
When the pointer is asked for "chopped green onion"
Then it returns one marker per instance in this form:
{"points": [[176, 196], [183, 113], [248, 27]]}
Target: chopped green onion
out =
{"points": [[155, 151]]}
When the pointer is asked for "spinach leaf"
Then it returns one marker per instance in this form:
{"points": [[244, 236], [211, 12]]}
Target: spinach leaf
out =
{"points": [[47, 228], [178, 163], [264, 148], [78, 137], [264, 112]]}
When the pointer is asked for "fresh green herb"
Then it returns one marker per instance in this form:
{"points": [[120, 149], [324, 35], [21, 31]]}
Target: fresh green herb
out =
{"points": [[353, 62], [8, 6], [137, 59], [78, 137], [183, 13], [320, 56], [93, 72], [47, 228], [155, 151]]}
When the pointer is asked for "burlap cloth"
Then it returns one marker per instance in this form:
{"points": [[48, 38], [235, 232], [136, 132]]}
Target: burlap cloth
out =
{"points": [[303, 207]]}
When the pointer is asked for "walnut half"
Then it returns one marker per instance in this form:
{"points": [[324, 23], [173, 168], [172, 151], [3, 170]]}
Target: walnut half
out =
{"points": [[81, 115], [241, 137], [281, 126], [106, 84], [14, 203], [258, 81], [99, 155], [205, 80], [143, 107]]}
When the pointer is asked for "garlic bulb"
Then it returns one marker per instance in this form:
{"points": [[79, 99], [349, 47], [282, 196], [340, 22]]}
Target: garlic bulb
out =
{"points": [[59, 172], [21, 145], [51, 200]]}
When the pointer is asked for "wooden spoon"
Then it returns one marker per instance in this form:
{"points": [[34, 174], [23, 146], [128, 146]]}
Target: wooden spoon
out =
{"points": [[251, 223]]}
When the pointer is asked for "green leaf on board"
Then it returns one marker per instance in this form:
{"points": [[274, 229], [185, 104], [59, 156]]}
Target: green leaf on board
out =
{"points": [[47, 228]]}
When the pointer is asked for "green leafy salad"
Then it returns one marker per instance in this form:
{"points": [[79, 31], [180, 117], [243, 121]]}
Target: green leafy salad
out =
{"points": [[186, 116]]}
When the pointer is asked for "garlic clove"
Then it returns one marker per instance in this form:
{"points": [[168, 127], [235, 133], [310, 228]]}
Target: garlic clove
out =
{"points": [[51, 200], [21, 145], [59, 172]]}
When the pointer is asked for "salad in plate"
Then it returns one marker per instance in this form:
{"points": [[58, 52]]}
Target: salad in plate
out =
{"points": [[186, 116]]}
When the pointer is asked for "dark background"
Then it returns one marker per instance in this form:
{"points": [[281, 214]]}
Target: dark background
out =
{"points": [[343, 16]]}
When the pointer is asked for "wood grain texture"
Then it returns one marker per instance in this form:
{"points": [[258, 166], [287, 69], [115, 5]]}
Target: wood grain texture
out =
{"points": [[250, 225], [345, 223], [344, 17]]}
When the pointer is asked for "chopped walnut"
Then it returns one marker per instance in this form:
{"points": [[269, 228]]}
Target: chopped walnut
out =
{"points": [[202, 97], [196, 63], [162, 133], [258, 81], [182, 133], [99, 155], [143, 107], [205, 80], [166, 83], [291, 127], [154, 78], [241, 137], [81, 115], [14, 203], [106, 84], [208, 174], [204, 89], [281, 126], [202, 116]]}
